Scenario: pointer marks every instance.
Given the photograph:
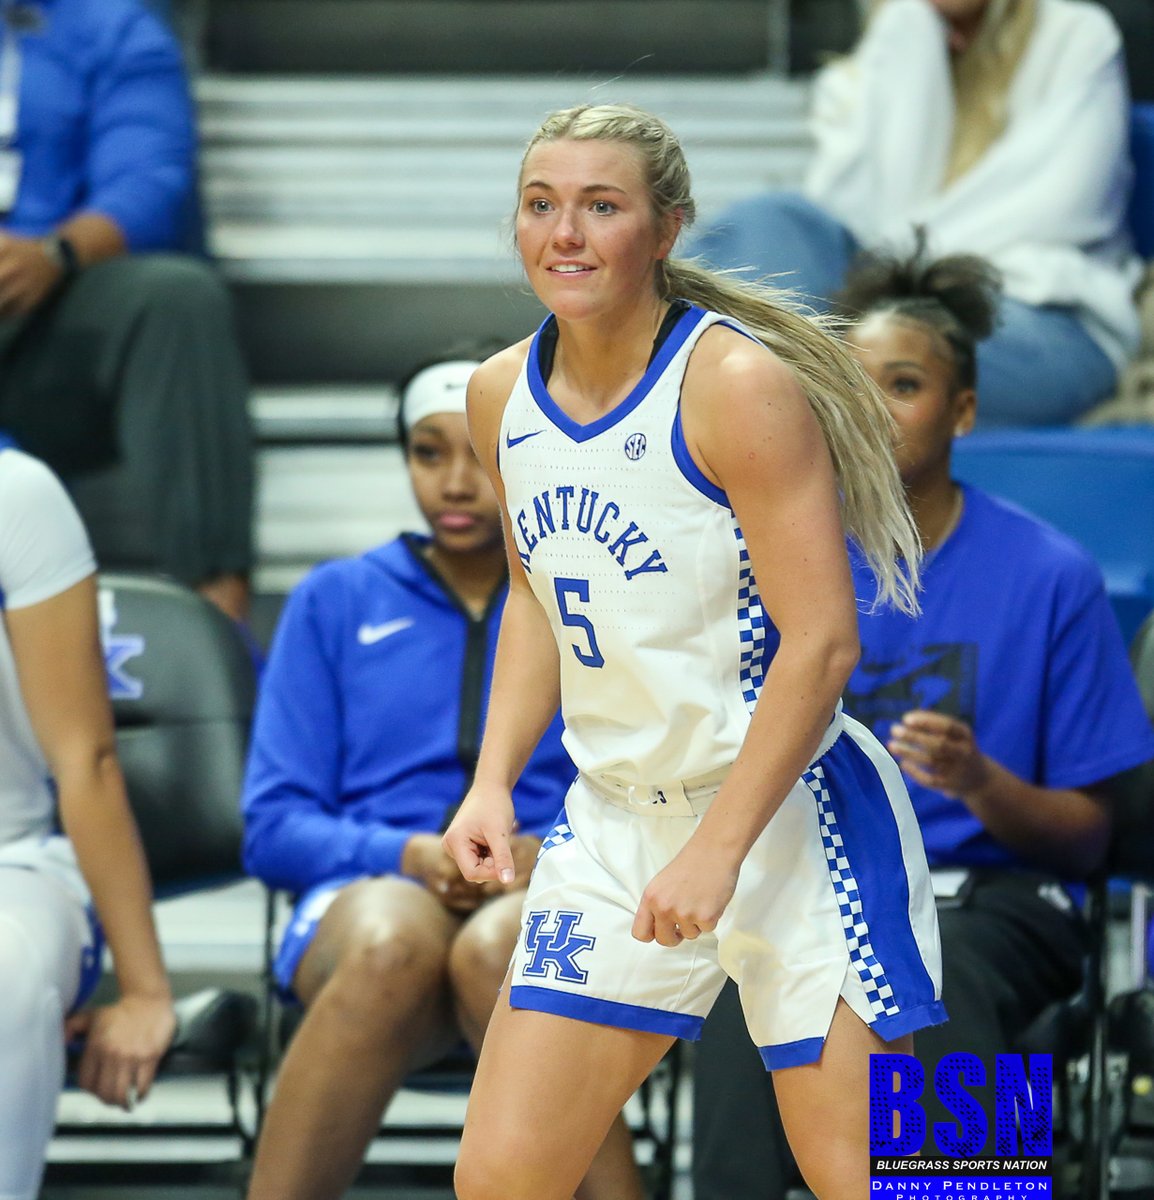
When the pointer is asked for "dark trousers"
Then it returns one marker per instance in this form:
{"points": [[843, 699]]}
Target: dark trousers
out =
{"points": [[1008, 952], [129, 382]]}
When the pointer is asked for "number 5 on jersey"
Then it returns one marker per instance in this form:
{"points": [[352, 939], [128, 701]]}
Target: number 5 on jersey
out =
{"points": [[570, 591]]}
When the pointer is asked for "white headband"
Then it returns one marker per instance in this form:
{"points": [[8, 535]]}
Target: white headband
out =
{"points": [[436, 389]]}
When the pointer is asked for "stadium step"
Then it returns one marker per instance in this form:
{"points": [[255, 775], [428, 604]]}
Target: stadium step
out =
{"points": [[331, 479], [504, 36], [364, 222], [407, 181]]}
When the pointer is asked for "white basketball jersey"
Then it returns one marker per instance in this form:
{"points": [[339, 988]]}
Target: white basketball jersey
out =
{"points": [[640, 564]]}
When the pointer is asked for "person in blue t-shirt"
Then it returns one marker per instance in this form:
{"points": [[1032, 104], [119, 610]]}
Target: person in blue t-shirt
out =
{"points": [[119, 362], [1009, 704], [365, 741]]}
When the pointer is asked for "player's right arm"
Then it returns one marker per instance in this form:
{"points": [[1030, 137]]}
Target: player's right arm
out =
{"points": [[526, 686]]}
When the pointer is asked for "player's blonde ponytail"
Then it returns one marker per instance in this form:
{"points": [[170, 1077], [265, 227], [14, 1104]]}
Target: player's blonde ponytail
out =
{"points": [[851, 411]]}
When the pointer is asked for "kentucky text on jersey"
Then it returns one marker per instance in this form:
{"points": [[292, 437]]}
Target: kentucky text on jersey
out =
{"points": [[585, 510]]}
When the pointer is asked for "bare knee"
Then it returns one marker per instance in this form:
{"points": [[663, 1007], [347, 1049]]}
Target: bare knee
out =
{"points": [[480, 954], [484, 1177], [832, 1177], [514, 1169], [384, 970]]}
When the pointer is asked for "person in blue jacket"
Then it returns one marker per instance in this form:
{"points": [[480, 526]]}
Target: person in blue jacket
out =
{"points": [[119, 361], [1009, 704], [365, 740]]}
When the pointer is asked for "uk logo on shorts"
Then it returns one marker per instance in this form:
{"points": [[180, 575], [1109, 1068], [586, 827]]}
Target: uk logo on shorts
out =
{"points": [[555, 948]]}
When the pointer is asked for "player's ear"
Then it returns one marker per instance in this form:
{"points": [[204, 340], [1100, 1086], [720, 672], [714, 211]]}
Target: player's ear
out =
{"points": [[965, 411], [669, 228]]}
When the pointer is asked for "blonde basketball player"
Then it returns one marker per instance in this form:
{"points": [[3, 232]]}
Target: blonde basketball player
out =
{"points": [[678, 458]]}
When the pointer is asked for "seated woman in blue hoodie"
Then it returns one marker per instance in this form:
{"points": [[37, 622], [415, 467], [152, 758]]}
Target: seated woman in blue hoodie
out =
{"points": [[365, 740]]}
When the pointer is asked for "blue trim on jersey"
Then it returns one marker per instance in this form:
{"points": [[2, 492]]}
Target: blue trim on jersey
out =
{"points": [[690, 469], [561, 833], [752, 624], [791, 1054], [574, 430], [606, 1012], [910, 1021], [681, 454], [862, 844], [808, 1050]]}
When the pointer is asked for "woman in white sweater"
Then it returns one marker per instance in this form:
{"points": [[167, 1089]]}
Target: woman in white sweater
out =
{"points": [[1001, 126]]}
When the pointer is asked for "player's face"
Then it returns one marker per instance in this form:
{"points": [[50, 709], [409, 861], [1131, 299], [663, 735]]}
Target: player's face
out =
{"points": [[451, 488], [916, 373], [586, 231]]}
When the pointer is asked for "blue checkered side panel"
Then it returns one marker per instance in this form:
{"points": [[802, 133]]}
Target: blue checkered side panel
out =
{"points": [[857, 935], [751, 623], [558, 835]]}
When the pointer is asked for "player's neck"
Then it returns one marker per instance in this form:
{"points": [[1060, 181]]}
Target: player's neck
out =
{"points": [[599, 361]]}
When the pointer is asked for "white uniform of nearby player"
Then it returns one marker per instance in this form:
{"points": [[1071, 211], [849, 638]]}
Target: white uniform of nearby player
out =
{"points": [[641, 567], [49, 949]]}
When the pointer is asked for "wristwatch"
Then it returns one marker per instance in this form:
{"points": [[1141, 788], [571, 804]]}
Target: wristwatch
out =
{"points": [[63, 254]]}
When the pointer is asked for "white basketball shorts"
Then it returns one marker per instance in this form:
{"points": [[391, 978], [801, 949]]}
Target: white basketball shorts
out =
{"points": [[833, 900]]}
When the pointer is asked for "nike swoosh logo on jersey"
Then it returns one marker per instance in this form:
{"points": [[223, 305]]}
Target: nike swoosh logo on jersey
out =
{"points": [[512, 441], [369, 635]]}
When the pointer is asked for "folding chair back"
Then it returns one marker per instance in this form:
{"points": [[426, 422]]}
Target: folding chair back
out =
{"points": [[1096, 485]]}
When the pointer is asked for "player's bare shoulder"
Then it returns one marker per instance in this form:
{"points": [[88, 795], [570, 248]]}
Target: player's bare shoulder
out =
{"points": [[493, 380], [489, 390], [730, 371]]}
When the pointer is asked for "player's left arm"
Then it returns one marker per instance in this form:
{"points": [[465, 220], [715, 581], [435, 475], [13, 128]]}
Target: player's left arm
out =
{"points": [[752, 432]]}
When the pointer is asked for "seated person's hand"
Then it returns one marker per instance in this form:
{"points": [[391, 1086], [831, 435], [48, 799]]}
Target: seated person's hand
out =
{"points": [[28, 273], [123, 1043], [939, 752], [425, 860]]}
